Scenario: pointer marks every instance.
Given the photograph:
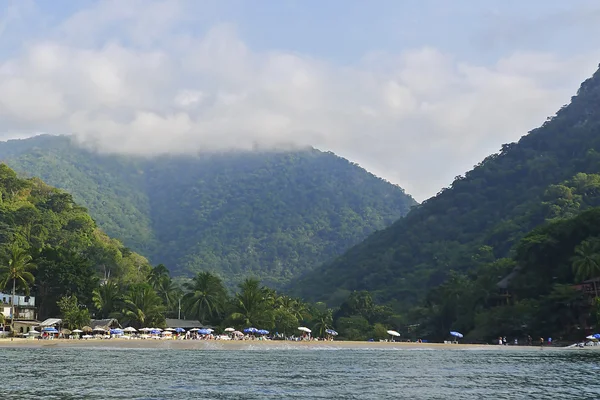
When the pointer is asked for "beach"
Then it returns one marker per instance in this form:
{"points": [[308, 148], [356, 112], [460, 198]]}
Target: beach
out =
{"points": [[246, 344]]}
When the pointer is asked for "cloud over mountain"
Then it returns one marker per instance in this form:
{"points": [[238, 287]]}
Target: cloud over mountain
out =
{"points": [[123, 77]]}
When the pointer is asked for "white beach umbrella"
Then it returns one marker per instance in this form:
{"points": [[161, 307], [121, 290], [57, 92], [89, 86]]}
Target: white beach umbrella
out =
{"points": [[129, 329], [146, 329], [194, 329], [77, 331], [304, 329], [170, 329], [393, 333], [99, 329], [229, 330]]}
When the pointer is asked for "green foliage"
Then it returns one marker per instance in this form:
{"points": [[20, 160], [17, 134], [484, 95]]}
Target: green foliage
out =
{"points": [[206, 298], [42, 226], [548, 174], [271, 215], [73, 314]]}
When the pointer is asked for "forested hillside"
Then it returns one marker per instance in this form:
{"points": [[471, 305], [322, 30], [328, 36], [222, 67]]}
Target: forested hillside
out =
{"points": [[265, 214], [479, 218], [69, 254]]}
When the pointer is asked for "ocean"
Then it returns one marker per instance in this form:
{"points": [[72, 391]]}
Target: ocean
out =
{"points": [[307, 373]]}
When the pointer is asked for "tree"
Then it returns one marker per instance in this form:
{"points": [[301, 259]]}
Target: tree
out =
{"points": [[18, 270], [74, 315], [143, 307], [106, 299], [586, 262], [61, 272], [252, 306], [322, 321], [205, 298]]}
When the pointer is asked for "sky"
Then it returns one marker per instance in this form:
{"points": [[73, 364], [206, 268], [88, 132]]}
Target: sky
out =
{"points": [[415, 91]]}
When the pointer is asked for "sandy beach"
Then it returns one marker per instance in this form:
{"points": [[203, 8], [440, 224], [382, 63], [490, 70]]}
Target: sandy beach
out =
{"points": [[246, 345]]}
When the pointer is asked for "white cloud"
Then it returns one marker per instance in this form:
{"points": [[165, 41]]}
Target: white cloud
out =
{"points": [[417, 118]]}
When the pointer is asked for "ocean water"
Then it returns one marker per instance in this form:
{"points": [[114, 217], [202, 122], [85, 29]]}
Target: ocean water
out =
{"points": [[307, 373]]}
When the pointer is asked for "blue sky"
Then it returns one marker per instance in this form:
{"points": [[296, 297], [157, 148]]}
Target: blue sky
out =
{"points": [[414, 91]]}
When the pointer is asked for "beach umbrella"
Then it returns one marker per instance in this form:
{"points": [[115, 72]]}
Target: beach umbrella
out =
{"points": [[146, 329], [155, 331], [262, 332], [179, 330], [204, 331], [65, 331], [50, 329], [87, 328], [170, 329], [591, 337], [194, 329], [116, 331], [229, 330], [332, 332], [99, 329], [77, 331], [251, 330], [238, 333], [129, 329], [304, 329], [456, 334], [596, 335], [393, 333]]}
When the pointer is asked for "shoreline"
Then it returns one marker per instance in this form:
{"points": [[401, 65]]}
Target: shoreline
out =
{"points": [[250, 345]]}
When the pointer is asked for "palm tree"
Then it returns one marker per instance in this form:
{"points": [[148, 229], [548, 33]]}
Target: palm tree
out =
{"points": [[323, 321], [142, 306], [157, 274], [586, 262], [167, 290], [106, 299], [253, 305], [205, 297], [18, 270]]}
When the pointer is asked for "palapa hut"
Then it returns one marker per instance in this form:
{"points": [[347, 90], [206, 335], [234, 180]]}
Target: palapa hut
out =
{"points": [[106, 324]]}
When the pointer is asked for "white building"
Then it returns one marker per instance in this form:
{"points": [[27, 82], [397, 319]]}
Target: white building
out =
{"points": [[24, 306]]}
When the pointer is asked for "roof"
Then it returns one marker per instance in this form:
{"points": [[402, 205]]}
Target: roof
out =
{"points": [[105, 323], [503, 284], [184, 323], [51, 321], [32, 323]]}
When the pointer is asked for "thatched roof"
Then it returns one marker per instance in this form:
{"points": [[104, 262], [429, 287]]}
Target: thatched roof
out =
{"points": [[105, 324], [503, 284]]}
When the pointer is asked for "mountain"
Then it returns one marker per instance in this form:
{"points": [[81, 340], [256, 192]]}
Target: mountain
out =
{"points": [[480, 217], [69, 251], [273, 215]]}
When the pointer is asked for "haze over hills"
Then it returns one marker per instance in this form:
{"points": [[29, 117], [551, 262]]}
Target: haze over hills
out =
{"points": [[479, 217], [273, 215]]}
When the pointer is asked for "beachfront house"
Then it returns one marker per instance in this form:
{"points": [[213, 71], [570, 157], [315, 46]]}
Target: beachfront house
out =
{"points": [[24, 306]]}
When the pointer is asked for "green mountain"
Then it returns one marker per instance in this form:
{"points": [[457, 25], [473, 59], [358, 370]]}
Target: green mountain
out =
{"points": [[273, 215], [478, 218], [70, 253]]}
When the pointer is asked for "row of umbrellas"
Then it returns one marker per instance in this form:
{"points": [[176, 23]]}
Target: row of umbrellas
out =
{"points": [[202, 331]]}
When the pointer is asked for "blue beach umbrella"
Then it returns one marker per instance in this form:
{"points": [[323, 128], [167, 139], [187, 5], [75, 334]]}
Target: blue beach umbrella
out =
{"points": [[262, 332], [50, 329], [179, 330], [155, 332], [331, 332], [456, 334], [116, 331], [251, 330], [203, 331]]}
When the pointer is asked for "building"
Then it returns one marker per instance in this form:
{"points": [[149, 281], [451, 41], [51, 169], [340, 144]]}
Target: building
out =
{"points": [[24, 306]]}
